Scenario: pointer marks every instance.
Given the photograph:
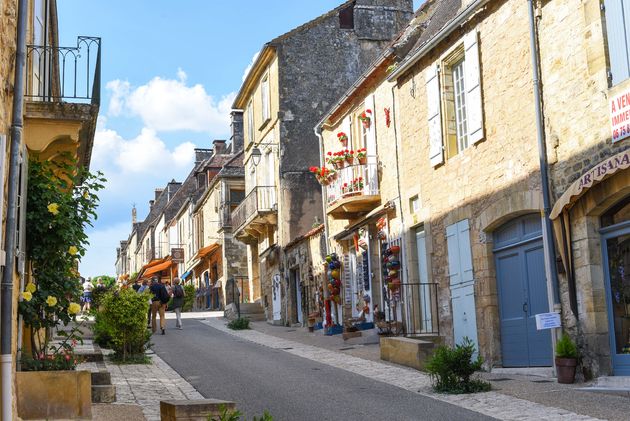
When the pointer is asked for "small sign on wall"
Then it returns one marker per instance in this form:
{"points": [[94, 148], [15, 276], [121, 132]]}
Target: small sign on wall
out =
{"points": [[548, 321], [620, 115]]}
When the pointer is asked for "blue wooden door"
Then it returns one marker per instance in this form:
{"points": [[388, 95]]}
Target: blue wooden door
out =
{"points": [[522, 289]]}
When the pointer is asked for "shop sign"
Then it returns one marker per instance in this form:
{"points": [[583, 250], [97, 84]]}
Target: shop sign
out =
{"points": [[177, 255], [620, 116], [548, 321], [347, 279]]}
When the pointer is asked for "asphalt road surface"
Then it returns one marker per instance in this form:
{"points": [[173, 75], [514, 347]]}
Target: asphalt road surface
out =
{"points": [[291, 388]]}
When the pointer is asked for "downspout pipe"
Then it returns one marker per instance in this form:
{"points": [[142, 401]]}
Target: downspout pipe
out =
{"points": [[318, 133], [6, 298], [548, 244]]}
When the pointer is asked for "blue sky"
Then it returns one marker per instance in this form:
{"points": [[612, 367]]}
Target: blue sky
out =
{"points": [[170, 70]]}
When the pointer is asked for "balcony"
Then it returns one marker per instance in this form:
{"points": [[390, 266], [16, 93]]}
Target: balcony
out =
{"points": [[354, 191], [225, 214], [257, 210], [62, 98]]}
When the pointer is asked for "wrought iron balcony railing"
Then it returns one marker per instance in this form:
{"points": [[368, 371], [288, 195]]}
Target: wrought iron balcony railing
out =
{"points": [[260, 199], [65, 74], [354, 180], [225, 213]]}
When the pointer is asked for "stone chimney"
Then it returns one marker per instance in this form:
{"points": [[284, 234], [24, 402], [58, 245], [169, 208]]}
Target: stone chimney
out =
{"points": [[151, 203], [134, 215], [158, 192], [219, 146], [202, 154], [172, 187], [237, 137]]}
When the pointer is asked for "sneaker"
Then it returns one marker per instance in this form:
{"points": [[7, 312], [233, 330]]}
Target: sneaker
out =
{"points": [[179, 327], [163, 332]]}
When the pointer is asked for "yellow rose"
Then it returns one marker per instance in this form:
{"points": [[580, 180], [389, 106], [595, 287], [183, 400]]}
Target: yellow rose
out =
{"points": [[30, 287], [27, 296], [86, 194], [73, 250], [53, 208], [51, 301], [74, 308]]}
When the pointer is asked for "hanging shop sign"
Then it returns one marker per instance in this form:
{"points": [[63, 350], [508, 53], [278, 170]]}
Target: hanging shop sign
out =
{"points": [[620, 115], [177, 255], [347, 279]]}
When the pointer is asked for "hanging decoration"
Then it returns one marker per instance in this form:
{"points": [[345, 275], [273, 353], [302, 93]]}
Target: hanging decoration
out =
{"points": [[388, 118]]}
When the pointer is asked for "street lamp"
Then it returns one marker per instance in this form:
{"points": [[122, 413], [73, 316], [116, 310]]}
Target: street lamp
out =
{"points": [[256, 154]]}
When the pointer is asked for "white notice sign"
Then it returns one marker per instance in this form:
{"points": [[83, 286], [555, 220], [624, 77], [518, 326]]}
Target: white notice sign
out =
{"points": [[547, 321], [620, 115]]}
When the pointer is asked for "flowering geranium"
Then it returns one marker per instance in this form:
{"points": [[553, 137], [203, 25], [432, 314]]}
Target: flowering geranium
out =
{"points": [[343, 138], [27, 296], [366, 118], [51, 301], [53, 208]]}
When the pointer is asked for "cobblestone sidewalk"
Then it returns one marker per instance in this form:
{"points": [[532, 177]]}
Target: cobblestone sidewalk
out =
{"points": [[494, 404], [146, 385]]}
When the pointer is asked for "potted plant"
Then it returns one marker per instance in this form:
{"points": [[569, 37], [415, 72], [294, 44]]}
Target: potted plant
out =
{"points": [[330, 160], [362, 156], [344, 188], [340, 160], [348, 156], [366, 118], [358, 184], [343, 138], [566, 359]]}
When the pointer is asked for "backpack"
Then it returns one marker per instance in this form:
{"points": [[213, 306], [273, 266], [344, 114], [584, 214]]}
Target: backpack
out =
{"points": [[163, 295], [178, 291]]}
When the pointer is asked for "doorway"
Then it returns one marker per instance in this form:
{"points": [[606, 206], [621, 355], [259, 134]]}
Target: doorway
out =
{"points": [[297, 304], [616, 256], [522, 289]]}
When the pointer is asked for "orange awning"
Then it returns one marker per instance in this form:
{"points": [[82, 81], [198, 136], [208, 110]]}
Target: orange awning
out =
{"points": [[151, 264], [207, 250], [157, 268]]}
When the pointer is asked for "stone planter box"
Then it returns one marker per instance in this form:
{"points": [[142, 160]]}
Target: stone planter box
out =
{"points": [[54, 395]]}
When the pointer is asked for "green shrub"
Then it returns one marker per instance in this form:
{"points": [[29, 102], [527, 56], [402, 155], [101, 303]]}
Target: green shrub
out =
{"points": [[451, 369], [189, 297], [236, 415], [241, 323], [565, 347], [123, 319]]}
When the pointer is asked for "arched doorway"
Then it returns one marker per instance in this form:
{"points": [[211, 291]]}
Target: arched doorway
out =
{"points": [[615, 233], [522, 292]]}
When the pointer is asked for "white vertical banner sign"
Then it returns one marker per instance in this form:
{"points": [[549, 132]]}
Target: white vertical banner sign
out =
{"points": [[347, 279]]}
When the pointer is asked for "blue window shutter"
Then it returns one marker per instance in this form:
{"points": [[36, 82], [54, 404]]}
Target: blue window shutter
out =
{"points": [[452, 242], [465, 253], [617, 15]]}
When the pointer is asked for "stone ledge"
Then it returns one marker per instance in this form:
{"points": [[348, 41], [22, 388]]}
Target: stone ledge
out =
{"points": [[406, 351], [192, 410]]}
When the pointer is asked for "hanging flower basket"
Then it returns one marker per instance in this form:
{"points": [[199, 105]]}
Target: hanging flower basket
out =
{"points": [[349, 156], [366, 118], [343, 138]]}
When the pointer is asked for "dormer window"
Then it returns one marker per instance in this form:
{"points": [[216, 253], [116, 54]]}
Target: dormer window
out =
{"points": [[346, 17]]}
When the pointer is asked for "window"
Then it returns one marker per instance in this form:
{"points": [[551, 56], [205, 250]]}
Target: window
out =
{"points": [[250, 122], [618, 35], [266, 112], [414, 204], [455, 114], [346, 17]]}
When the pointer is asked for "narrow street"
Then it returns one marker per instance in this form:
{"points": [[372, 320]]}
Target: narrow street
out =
{"points": [[225, 367]]}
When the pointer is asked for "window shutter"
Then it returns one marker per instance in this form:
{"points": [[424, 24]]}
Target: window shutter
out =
{"points": [[434, 116], [472, 77], [346, 127], [617, 34], [459, 253], [370, 104]]}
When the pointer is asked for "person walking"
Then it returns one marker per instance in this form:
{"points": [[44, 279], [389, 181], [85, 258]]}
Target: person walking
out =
{"points": [[142, 287], [86, 298], [158, 305], [150, 289], [178, 302]]}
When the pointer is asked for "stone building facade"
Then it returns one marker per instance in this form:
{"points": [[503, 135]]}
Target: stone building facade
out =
{"points": [[295, 79]]}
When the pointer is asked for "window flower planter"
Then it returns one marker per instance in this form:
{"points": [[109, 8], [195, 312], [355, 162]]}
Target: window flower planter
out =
{"points": [[366, 118]]}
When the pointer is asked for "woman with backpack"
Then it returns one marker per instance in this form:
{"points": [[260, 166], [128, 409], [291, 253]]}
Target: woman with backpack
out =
{"points": [[178, 302]]}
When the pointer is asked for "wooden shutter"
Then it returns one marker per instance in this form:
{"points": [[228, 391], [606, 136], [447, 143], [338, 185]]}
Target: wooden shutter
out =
{"points": [[618, 38], [434, 116], [346, 127], [472, 77], [459, 253]]}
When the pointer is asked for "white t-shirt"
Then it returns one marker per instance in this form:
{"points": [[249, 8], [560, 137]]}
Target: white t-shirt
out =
{"points": [[87, 286]]}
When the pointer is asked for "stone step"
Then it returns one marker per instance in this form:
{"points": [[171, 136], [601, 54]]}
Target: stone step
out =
{"points": [[619, 382], [406, 351], [100, 378], [105, 393], [192, 409]]}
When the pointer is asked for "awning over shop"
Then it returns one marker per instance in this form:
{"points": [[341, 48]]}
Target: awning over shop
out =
{"points": [[205, 251], [349, 230], [595, 175], [157, 268], [186, 274], [151, 264]]}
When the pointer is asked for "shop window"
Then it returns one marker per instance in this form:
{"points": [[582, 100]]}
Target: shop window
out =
{"points": [[617, 214], [618, 36]]}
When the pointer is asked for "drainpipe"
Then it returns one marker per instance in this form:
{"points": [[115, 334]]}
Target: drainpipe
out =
{"points": [[550, 254], [17, 122], [318, 133]]}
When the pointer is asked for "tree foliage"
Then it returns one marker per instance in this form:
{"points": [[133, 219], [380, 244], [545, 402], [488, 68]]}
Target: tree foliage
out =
{"points": [[61, 204]]}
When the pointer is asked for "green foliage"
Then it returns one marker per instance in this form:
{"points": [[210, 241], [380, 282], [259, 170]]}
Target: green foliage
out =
{"points": [[123, 318], [236, 415], [241, 323], [451, 369], [61, 204], [108, 281], [132, 278], [565, 347], [60, 356], [189, 297]]}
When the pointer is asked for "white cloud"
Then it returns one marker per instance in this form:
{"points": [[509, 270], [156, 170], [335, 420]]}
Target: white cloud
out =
{"points": [[250, 65], [171, 105]]}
